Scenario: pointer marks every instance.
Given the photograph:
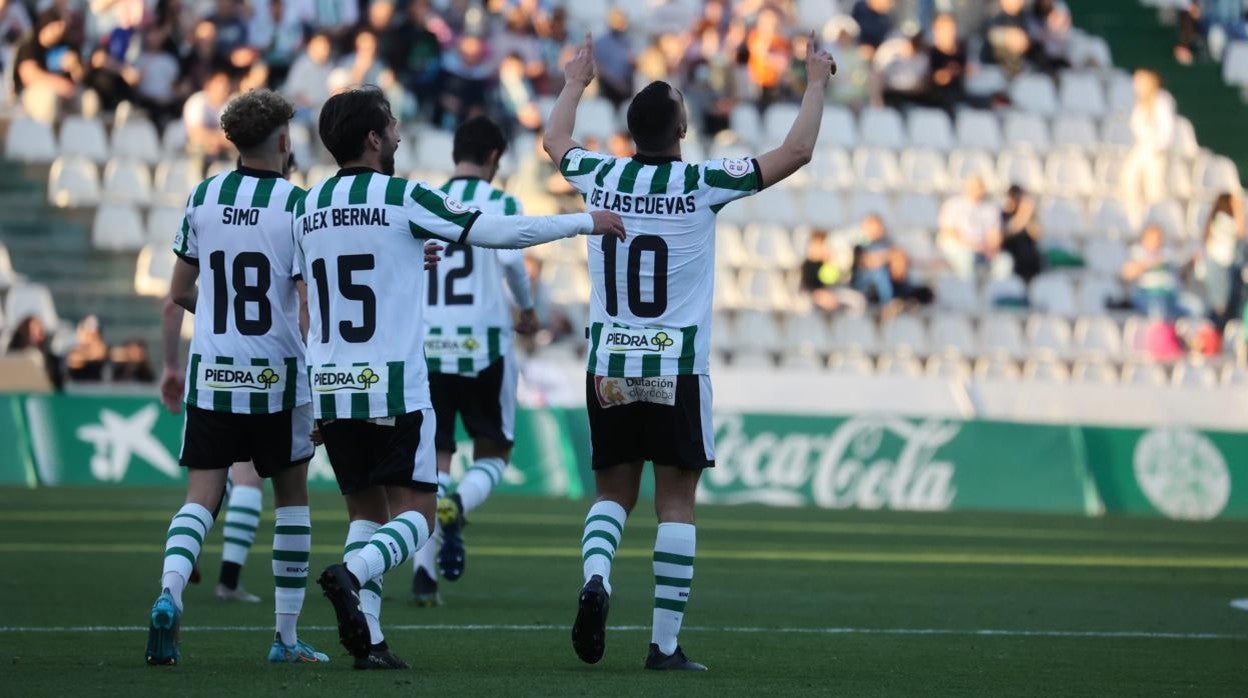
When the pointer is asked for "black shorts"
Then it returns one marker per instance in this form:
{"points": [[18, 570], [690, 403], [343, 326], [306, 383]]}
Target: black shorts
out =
{"points": [[486, 402], [680, 434], [276, 441], [391, 452]]}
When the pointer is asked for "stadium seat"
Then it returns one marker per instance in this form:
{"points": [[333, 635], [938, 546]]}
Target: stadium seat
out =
{"points": [[825, 210], [902, 364], [1169, 215], [163, 223], [127, 182], [29, 140], [1234, 376], [769, 246], [1034, 93], [1110, 218], [876, 169], [1116, 130], [1081, 92], [838, 128], [1009, 292], [807, 334], [136, 139], [1045, 370], [85, 138], [997, 367], [1022, 168], [433, 151], [73, 182], [173, 140], [1062, 216], [1089, 51], [223, 166], [952, 332], [777, 121], [1119, 92], [764, 290], [1049, 332], [729, 248], [832, 169], [1235, 64], [956, 294], [175, 180], [802, 362], [568, 283], [153, 270], [924, 171], [1144, 375], [1053, 293], [863, 203], [916, 211], [1023, 129], [1190, 375], [881, 127], [26, 299], [851, 363], [1215, 174], [814, 14], [987, 81], [1185, 144], [949, 365], [1105, 255], [1178, 179], [965, 163], [1069, 173], [8, 276], [727, 146], [727, 290], [978, 130], [930, 128], [852, 331], [778, 205], [753, 359], [918, 243], [596, 117], [1095, 373], [757, 332], [1075, 131], [905, 331], [1096, 292], [117, 227], [1000, 333]]}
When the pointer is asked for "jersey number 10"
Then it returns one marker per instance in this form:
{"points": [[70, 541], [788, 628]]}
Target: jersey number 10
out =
{"points": [[638, 246]]}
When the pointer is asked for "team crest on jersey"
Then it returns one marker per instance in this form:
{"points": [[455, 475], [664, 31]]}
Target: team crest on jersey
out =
{"points": [[237, 378], [455, 205], [737, 167], [351, 379]]}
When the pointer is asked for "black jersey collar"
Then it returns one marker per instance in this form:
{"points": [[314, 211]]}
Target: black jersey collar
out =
{"points": [[349, 171], [655, 159], [259, 174]]}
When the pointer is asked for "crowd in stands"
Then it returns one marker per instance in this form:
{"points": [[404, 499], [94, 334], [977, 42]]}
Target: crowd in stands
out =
{"points": [[88, 360]]}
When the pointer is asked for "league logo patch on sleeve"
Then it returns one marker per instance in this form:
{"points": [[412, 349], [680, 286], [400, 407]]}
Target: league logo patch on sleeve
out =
{"points": [[572, 161], [456, 206], [737, 167]]}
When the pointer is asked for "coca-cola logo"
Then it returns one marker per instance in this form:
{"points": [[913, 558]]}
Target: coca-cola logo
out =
{"points": [[870, 462]]}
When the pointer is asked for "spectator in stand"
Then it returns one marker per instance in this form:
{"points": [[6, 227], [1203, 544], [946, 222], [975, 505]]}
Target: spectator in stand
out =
{"points": [[613, 54], [552, 319], [824, 278], [1189, 30], [518, 36], [363, 67], [871, 275], [1222, 250], [14, 24], [874, 23], [852, 86], [1021, 233], [1152, 271], [30, 337], [969, 234], [131, 363], [552, 38], [948, 64], [466, 74], [202, 60], [1050, 34], [88, 358], [1006, 41], [277, 34], [157, 89], [337, 18], [517, 97], [902, 78], [227, 18], [620, 145], [413, 51], [307, 84], [1152, 129], [48, 70], [708, 77], [201, 115], [769, 56]]}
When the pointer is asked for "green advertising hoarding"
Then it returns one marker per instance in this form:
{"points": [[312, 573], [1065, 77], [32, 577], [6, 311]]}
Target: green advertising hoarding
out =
{"points": [[16, 465]]}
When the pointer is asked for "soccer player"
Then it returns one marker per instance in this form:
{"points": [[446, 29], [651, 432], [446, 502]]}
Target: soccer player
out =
{"points": [[468, 325], [247, 395], [647, 388], [361, 236]]}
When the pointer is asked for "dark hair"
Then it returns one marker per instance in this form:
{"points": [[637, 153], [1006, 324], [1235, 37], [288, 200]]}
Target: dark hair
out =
{"points": [[249, 120], [23, 334], [475, 139], [654, 118], [348, 117]]}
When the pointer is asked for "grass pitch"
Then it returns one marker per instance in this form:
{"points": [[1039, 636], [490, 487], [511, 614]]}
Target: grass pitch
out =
{"points": [[784, 602]]}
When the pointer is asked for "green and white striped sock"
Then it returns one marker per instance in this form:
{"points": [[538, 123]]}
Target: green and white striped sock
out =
{"points": [[292, 543], [391, 546], [184, 540], [358, 535], [477, 483], [674, 547], [242, 518], [604, 529]]}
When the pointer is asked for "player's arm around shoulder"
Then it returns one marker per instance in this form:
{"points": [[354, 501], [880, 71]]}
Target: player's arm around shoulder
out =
{"points": [[799, 145]]}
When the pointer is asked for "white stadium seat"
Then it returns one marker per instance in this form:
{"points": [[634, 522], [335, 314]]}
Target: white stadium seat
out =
{"points": [[1045, 370], [1189, 375], [1144, 375], [433, 150], [838, 128], [1034, 93], [117, 228], [26, 299], [1082, 93], [127, 182], [29, 140], [863, 203], [852, 363], [1185, 144], [832, 169], [136, 139], [1054, 293], [73, 182], [1075, 131], [756, 331], [1096, 292], [1069, 173], [1010, 291], [1116, 130], [1027, 130], [1000, 334], [1049, 332], [173, 140], [745, 122], [998, 367], [777, 120], [952, 333], [952, 367], [1169, 215], [955, 294], [930, 128], [596, 117], [924, 171], [1119, 92], [769, 246], [1094, 372], [1105, 255], [175, 180], [1216, 174], [905, 331], [988, 80], [853, 331], [1022, 168], [967, 163], [764, 290], [916, 211], [163, 223], [882, 127], [1098, 335], [1110, 218], [1235, 64], [808, 334], [978, 130], [153, 270], [1062, 216], [82, 137], [901, 364], [876, 168]]}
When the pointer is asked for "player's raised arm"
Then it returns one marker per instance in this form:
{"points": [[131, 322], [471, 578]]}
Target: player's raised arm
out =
{"points": [[799, 145], [577, 74]]}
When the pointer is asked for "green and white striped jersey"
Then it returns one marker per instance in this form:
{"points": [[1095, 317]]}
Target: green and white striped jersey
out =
{"points": [[247, 351], [361, 238], [468, 319], [650, 309]]}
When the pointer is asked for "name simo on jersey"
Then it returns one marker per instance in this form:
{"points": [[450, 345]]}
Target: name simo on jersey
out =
{"points": [[642, 204], [240, 216], [343, 217]]}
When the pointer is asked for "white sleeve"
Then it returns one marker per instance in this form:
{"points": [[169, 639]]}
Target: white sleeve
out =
{"points": [[517, 277], [515, 232]]}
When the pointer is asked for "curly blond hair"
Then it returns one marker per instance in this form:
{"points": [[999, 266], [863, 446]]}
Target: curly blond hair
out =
{"points": [[250, 119]]}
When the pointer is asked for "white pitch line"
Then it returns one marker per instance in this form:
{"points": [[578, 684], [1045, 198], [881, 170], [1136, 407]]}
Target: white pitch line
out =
{"points": [[959, 632]]}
